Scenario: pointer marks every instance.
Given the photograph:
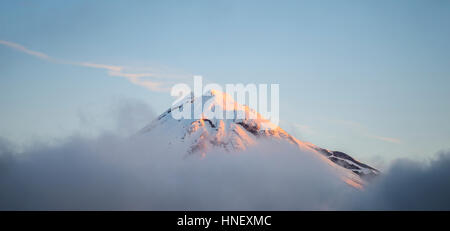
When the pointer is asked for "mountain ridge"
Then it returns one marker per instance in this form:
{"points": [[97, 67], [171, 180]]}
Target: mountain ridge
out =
{"points": [[203, 132]]}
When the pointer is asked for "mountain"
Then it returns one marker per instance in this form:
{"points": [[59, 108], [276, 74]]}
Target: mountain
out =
{"points": [[203, 132]]}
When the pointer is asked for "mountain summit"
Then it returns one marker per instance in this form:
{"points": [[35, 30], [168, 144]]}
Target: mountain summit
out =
{"points": [[204, 132]]}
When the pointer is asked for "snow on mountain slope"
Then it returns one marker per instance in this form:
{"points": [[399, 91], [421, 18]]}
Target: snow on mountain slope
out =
{"points": [[204, 132]]}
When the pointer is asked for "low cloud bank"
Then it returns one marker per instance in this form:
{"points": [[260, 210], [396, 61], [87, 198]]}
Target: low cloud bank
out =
{"points": [[410, 185], [111, 172], [115, 173]]}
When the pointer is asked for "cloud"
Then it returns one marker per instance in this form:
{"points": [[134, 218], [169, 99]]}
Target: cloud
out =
{"points": [[304, 128], [118, 172], [116, 69], [140, 79], [386, 139], [24, 49], [113, 172], [135, 78], [364, 130], [131, 115], [410, 185]]}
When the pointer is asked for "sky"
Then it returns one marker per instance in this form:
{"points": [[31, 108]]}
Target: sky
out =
{"points": [[369, 78]]}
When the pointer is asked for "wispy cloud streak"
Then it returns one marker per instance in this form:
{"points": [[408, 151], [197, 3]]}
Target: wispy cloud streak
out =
{"points": [[24, 49], [365, 131], [386, 139], [140, 79], [101, 66]]}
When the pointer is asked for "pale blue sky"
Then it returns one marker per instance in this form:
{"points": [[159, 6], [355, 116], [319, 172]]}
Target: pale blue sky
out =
{"points": [[369, 78]]}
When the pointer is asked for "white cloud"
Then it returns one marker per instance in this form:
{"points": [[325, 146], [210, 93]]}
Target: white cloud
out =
{"points": [[365, 131], [386, 139], [140, 79], [115, 173], [24, 49]]}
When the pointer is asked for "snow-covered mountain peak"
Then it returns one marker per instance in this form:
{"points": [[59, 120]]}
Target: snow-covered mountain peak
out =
{"points": [[204, 130], [216, 106]]}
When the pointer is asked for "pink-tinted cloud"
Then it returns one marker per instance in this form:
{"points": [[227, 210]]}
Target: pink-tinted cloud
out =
{"points": [[24, 49], [140, 79]]}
